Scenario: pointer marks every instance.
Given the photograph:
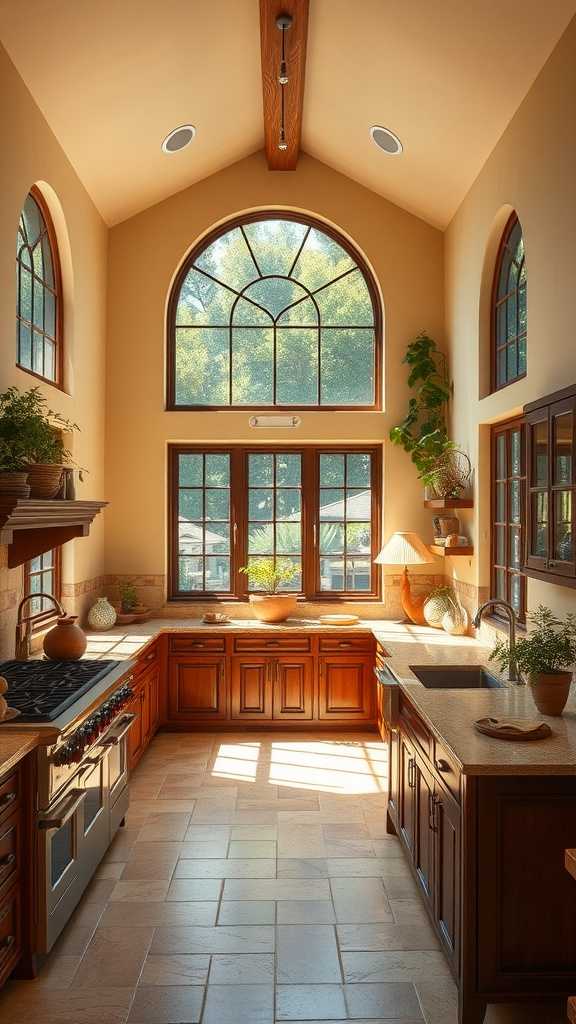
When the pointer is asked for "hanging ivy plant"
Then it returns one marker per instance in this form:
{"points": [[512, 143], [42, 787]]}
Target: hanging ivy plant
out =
{"points": [[423, 432]]}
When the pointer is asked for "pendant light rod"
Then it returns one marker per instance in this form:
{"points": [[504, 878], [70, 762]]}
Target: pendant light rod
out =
{"points": [[283, 22]]}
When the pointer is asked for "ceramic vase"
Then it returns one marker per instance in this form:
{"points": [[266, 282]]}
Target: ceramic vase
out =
{"points": [[550, 691], [455, 620], [45, 479], [102, 615], [65, 641]]}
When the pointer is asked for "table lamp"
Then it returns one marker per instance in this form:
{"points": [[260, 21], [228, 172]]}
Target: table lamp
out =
{"points": [[407, 549]]}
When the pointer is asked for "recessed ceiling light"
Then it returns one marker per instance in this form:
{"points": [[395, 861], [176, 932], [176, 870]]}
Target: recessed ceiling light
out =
{"points": [[179, 138], [386, 140]]}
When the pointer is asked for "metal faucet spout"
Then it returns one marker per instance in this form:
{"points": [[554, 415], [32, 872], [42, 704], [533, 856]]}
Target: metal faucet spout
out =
{"points": [[495, 602], [22, 645]]}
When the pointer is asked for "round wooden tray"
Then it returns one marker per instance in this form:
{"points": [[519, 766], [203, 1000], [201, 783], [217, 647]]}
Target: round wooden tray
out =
{"points": [[513, 729], [339, 620]]}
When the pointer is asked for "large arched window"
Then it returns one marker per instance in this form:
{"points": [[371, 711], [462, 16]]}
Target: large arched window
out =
{"points": [[38, 292], [274, 310], [509, 308]]}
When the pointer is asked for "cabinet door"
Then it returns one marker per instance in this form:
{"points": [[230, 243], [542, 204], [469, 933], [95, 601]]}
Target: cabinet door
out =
{"points": [[145, 705], [424, 835], [562, 554], [538, 472], [346, 690], [135, 738], [406, 792], [196, 688], [446, 827], [393, 771], [154, 700], [293, 687], [251, 685]]}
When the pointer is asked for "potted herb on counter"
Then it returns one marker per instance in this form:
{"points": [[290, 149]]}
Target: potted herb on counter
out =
{"points": [[546, 656], [268, 576]]}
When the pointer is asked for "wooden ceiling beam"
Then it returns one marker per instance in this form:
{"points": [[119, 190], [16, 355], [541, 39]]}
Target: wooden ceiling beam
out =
{"points": [[271, 51]]}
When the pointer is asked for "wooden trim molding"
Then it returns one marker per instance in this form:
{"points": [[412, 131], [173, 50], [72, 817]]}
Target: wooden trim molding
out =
{"points": [[290, 95]]}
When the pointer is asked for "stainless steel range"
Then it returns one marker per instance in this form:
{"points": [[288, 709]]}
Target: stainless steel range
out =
{"points": [[82, 774]]}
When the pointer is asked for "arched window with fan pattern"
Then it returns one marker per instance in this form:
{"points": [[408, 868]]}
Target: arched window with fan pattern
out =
{"points": [[509, 320], [38, 292]]}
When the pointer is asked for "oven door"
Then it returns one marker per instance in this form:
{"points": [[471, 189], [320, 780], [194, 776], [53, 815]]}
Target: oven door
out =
{"points": [[60, 849], [116, 743], [95, 815]]}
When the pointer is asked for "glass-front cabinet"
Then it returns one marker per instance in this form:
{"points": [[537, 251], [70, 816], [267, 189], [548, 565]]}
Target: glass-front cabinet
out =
{"points": [[551, 430]]}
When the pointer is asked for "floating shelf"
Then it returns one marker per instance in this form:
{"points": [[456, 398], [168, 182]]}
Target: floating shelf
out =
{"points": [[29, 527], [445, 503], [460, 549]]}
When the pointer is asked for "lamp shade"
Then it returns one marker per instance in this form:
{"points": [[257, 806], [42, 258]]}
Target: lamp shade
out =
{"points": [[404, 549]]}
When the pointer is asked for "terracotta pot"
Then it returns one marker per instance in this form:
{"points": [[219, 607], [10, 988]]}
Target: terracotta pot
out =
{"points": [[45, 479], [273, 607], [15, 484], [550, 691], [65, 641]]}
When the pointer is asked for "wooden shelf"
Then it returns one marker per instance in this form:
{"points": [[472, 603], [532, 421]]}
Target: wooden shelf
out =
{"points": [[439, 549], [28, 527], [438, 504]]}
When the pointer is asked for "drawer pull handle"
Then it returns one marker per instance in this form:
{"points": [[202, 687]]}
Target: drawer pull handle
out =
{"points": [[8, 860], [8, 942], [345, 643], [441, 765], [272, 643], [7, 798], [149, 657], [412, 773]]}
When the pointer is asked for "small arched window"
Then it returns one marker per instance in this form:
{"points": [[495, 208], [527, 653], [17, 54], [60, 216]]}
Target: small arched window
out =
{"points": [[509, 308], [38, 292], [274, 310]]}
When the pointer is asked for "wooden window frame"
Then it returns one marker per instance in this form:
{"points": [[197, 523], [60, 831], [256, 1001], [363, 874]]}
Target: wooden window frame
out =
{"points": [[239, 222], [498, 429], [58, 381], [239, 519], [46, 622], [495, 303]]}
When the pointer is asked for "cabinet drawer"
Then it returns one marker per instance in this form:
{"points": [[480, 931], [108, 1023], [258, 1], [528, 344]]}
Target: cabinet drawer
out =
{"points": [[9, 851], [181, 644], [447, 769], [272, 643], [9, 794], [416, 726], [10, 923], [356, 642], [145, 660]]}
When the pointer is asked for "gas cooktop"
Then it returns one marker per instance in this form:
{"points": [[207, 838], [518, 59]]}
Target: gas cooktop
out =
{"points": [[42, 690]]}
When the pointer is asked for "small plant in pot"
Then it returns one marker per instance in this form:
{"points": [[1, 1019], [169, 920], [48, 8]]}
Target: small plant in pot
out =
{"points": [[13, 468], [269, 576], [31, 435], [128, 596], [546, 656]]}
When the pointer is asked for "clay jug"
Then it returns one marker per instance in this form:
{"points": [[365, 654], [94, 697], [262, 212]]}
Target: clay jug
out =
{"points": [[65, 641]]}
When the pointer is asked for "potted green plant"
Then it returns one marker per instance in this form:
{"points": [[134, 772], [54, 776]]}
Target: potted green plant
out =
{"points": [[546, 656], [423, 433], [128, 596], [30, 436], [13, 468], [268, 575]]}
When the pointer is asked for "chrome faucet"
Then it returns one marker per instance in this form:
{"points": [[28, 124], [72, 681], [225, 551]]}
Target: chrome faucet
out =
{"points": [[495, 602], [22, 645]]}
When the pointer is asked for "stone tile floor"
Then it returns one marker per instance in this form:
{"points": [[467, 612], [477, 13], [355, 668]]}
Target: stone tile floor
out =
{"points": [[254, 883]]}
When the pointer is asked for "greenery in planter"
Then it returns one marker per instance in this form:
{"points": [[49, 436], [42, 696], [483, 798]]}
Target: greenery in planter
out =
{"points": [[423, 432], [269, 575], [27, 431], [549, 647], [128, 596]]}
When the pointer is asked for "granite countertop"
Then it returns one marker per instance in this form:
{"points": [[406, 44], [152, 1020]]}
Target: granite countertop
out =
{"points": [[15, 745]]}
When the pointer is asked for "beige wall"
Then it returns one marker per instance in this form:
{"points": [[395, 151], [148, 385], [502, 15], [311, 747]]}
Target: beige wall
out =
{"points": [[145, 252], [531, 170], [30, 154]]}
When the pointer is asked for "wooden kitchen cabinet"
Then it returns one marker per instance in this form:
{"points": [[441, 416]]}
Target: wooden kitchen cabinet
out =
{"points": [[13, 883], [346, 687], [145, 705], [425, 863], [251, 687], [406, 789], [446, 828], [136, 735], [197, 688], [293, 687]]}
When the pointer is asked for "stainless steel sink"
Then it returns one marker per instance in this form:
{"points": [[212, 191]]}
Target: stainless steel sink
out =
{"points": [[456, 677]]}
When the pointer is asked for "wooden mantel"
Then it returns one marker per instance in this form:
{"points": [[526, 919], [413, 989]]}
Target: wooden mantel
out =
{"points": [[28, 527]]}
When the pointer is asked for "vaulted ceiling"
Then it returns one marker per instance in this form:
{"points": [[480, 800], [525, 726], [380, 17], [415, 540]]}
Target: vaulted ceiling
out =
{"points": [[113, 78]]}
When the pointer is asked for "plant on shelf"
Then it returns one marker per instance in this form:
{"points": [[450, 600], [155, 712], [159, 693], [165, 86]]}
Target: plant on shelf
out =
{"points": [[423, 432], [31, 439], [269, 575], [128, 596], [546, 656]]}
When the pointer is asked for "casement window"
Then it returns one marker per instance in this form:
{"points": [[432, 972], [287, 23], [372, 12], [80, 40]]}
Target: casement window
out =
{"points": [[509, 514], [508, 311], [318, 507], [38, 293], [42, 575], [274, 310]]}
